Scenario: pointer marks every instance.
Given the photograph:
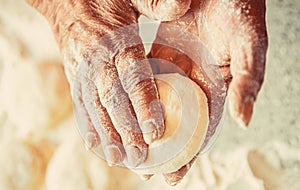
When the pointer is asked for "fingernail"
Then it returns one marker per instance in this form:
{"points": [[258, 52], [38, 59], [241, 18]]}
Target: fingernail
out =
{"points": [[241, 111], [113, 155], [149, 132], [241, 123], [246, 113], [146, 177], [175, 177], [135, 156], [173, 183], [90, 140]]}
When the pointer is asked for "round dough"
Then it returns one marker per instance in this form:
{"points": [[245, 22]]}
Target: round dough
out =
{"points": [[186, 121]]}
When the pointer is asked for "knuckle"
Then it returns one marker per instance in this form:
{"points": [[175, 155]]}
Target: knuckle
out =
{"points": [[109, 95], [135, 76], [172, 9], [118, 106]]}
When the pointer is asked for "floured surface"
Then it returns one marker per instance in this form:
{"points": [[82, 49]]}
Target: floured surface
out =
{"points": [[234, 163]]}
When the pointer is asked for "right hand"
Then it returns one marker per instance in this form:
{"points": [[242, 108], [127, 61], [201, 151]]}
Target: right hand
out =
{"points": [[115, 94]]}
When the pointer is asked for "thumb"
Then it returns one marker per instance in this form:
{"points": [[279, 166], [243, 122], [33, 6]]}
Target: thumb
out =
{"points": [[164, 10], [247, 68], [248, 58]]}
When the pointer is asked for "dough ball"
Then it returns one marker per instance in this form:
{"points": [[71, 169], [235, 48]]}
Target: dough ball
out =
{"points": [[35, 96], [23, 164], [186, 121]]}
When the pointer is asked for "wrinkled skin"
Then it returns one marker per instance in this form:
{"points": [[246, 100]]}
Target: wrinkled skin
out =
{"points": [[109, 95], [235, 34]]}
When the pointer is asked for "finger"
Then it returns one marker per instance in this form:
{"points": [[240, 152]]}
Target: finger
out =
{"points": [[138, 82], [175, 177], [248, 57], [110, 139], [243, 91], [86, 128], [120, 110], [163, 10], [146, 177]]}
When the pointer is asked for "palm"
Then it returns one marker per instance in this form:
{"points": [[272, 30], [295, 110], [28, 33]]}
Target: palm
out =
{"points": [[235, 34]]}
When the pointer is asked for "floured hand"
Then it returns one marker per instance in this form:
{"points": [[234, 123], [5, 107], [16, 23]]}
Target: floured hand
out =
{"points": [[235, 34], [112, 84]]}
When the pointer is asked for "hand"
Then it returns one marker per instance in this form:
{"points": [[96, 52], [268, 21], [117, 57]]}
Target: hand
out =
{"points": [[112, 82], [235, 34]]}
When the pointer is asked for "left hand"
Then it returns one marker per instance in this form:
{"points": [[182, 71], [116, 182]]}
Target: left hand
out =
{"points": [[235, 34]]}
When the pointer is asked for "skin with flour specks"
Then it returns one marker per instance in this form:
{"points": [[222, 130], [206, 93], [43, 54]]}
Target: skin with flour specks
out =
{"points": [[78, 26], [235, 34], [110, 95], [186, 121]]}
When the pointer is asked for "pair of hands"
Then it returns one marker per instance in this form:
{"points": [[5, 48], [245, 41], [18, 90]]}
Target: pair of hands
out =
{"points": [[115, 92]]}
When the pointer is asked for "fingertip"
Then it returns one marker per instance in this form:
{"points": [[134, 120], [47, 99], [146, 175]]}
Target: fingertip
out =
{"points": [[153, 128], [135, 155], [160, 126], [241, 109], [150, 131], [113, 155], [146, 177], [154, 135], [173, 182], [175, 178], [241, 123], [247, 111], [91, 140]]}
